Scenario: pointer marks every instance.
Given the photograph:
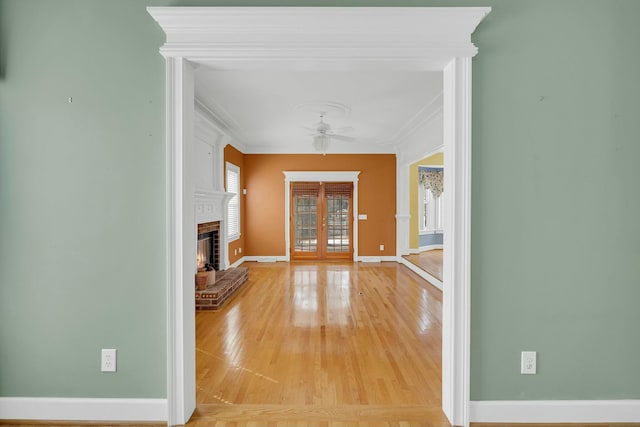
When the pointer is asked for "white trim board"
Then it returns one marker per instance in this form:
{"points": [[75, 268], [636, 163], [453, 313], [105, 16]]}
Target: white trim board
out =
{"points": [[81, 409], [420, 272], [238, 262], [425, 249], [555, 411], [266, 258], [377, 258]]}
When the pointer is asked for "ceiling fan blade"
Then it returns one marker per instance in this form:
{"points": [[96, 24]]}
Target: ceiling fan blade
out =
{"points": [[345, 129], [342, 138]]}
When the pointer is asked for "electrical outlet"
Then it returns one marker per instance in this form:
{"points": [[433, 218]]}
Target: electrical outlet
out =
{"points": [[235, 252], [381, 248], [239, 250], [528, 362], [108, 360]]}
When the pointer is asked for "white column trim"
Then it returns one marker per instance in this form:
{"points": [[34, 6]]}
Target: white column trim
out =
{"points": [[181, 226], [457, 241]]}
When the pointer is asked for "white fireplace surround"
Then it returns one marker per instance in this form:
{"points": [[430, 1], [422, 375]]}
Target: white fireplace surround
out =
{"points": [[210, 201]]}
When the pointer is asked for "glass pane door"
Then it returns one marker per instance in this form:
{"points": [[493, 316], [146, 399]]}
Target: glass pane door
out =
{"points": [[305, 216], [321, 220], [338, 223]]}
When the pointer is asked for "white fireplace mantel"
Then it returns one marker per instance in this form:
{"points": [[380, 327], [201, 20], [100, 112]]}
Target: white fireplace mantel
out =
{"points": [[211, 205]]}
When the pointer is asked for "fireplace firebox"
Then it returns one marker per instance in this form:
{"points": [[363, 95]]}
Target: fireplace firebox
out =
{"points": [[208, 253]]}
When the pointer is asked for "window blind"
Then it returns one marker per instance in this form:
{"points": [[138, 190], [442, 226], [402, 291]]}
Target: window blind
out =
{"points": [[305, 188], [233, 212], [338, 188]]}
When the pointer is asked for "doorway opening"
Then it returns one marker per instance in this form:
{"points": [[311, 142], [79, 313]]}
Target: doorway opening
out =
{"points": [[436, 39]]}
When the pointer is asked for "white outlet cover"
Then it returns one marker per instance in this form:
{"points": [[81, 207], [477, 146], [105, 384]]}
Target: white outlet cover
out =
{"points": [[108, 360], [528, 362]]}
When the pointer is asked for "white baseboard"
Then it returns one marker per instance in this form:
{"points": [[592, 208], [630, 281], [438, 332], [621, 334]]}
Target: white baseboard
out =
{"points": [[555, 411], [265, 258], [420, 272], [238, 262], [425, 248], [377, 258], [82, 409]]}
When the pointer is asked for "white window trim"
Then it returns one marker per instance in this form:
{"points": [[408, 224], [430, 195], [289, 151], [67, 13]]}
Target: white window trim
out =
{"points": [[233, 168]]}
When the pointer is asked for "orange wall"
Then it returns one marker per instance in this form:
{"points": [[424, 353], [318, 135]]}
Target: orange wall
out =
{"points": [[237, 247], [265, 206]]}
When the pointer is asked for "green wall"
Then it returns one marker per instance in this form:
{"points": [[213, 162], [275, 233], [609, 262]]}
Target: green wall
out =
{"points": [[82, 241], [555, 133], [556, 236]]}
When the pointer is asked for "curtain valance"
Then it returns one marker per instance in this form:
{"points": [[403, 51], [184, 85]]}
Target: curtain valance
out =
{"points": [[432, 179]]}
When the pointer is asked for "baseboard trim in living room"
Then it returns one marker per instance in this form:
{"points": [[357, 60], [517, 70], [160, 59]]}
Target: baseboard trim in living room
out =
{"points": [[238, 262], [82, 409], [420, 272], [555, 411]]}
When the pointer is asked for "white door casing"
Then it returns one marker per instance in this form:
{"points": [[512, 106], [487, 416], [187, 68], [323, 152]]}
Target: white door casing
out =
{"points": [[327, 38], [319, 176]]}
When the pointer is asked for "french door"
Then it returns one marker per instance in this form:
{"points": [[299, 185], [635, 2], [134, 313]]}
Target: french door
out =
{"points": [[321, 220]]}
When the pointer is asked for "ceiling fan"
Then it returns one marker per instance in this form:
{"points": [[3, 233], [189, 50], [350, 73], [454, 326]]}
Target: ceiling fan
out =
{"points": [[323, 133]]}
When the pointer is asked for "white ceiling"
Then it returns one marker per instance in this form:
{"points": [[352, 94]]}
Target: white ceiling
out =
{"points": [[267, 111]]}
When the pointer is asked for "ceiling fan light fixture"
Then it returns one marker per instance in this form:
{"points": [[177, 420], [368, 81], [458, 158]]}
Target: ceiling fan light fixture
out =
{"points": [[321, 143]]}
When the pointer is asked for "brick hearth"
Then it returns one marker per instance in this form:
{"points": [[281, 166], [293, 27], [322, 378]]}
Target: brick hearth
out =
{"points": [[227, 282]]}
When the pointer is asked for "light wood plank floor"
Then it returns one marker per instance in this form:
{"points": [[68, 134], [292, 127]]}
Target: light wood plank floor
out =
{"points": [[319, 344], [429, 261], [308, 343]]}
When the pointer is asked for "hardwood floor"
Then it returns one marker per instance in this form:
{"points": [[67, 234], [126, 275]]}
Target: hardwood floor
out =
{"points": [[429, 261], [317, 342]]}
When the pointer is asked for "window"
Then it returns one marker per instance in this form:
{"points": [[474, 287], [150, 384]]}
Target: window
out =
{"points": [[430, 211], [233, 212]]}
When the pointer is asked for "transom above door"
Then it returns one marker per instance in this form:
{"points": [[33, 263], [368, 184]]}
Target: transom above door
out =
{"points": [[321, 220]]}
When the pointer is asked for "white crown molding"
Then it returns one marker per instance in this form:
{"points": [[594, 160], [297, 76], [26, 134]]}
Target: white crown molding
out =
{"points": [[232, 35], [223, 122], [429, 111], [555, 411], [334, 148], [79, 409]]}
